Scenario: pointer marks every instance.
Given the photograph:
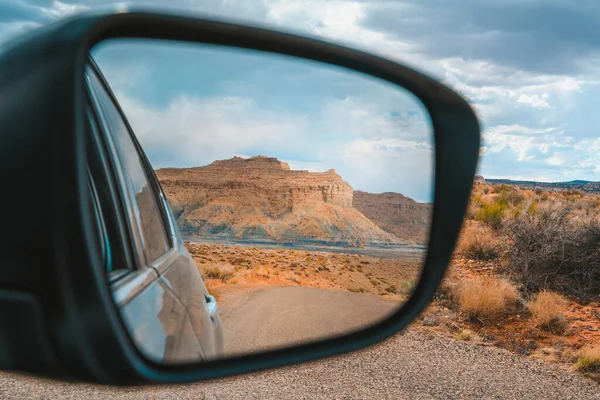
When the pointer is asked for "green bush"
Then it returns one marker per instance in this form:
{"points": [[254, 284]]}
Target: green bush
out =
{"points": [[512, 198], [391, 289], [492, 214], [503, 188]]}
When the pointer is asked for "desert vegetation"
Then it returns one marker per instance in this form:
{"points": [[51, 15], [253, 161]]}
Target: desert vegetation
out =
{"points": [[526, 276], [556, 246], [551, 240], [588, 360], [486, 297], [226, 265], [547, 310]]}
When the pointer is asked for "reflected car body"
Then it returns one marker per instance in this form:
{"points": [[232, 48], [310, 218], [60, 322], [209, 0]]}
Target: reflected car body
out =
{"points": [[163, 301]]}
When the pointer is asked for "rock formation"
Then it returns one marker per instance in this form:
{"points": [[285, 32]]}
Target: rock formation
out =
{"points": [[396, 214], [262, 199]]}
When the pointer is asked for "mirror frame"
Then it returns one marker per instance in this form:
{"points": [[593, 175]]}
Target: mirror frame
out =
{"points": [[82, 334]]}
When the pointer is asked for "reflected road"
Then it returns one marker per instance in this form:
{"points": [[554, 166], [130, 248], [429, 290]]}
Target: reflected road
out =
{"points": [[267, 317]]}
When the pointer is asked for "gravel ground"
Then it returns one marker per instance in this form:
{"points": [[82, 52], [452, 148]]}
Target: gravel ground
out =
{"points": [[408, 366]]}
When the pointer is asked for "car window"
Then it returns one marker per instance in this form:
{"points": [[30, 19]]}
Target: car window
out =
{"points": [[103, 237], [154, 235]]}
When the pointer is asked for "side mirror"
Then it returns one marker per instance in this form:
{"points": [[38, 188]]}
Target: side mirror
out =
{"points": [[96, 280]]}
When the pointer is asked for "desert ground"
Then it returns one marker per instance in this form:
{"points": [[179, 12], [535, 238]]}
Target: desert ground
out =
{"points": [[492, 295], [281, 297]]}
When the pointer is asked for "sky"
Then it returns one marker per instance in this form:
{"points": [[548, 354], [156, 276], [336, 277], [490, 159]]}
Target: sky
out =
{"points": [[526, 66]]}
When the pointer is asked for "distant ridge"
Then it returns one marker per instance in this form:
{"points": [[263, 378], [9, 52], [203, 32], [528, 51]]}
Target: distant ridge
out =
{"points": [[578, 184]]}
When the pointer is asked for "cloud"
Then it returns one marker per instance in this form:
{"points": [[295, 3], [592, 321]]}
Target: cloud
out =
{"points": [[367, 117], [339, 21], [528, 67], [13, 10], [196, 131], [18, 16], [58, 9], [387, 165], [254, 10], [535, 101], [555, 160], [549, 37]]}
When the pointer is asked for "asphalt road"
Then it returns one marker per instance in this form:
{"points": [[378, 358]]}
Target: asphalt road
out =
{"points": [[412, 365], [256, 319]]}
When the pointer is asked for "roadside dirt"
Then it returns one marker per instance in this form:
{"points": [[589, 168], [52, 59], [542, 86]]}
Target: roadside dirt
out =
{"points": [[226, 265]]}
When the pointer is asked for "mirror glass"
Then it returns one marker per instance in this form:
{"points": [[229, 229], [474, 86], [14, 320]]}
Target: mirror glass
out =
{"points": [[267, 200]]}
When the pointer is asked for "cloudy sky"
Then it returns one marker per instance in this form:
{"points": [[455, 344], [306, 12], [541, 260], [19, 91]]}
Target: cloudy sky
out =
{"points": [[527, 66]]}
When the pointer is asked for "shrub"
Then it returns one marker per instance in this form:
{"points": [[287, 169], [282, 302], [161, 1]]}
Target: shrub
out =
{"points": [[478, 244], [291, 277], [263, 271], [223, 272], [552, 249], [391, 289], [572, 193], [503, 188], [239, 261], [407, 287], [486, 297], [546, 307], [588, 359], [476, 200], [472, 212], [533, 207], [511, 197], [465, 335], [492, 214]]}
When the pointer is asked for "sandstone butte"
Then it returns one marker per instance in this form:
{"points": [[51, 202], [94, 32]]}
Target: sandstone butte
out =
{"points": [[261, 199]]}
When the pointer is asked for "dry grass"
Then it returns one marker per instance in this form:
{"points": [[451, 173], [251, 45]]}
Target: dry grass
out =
{"points": [[546, 308], [262, 271], [478, 243], [356, 290], [486, 297], [588, 360], [290, 276], [465, 335], [223, 272]]}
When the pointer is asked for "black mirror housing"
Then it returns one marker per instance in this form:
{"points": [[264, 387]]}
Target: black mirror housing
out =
{"points": [[59, 317]]}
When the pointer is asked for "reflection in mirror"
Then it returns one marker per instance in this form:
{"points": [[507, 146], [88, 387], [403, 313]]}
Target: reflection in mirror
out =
{"points": [[301, 191]]}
